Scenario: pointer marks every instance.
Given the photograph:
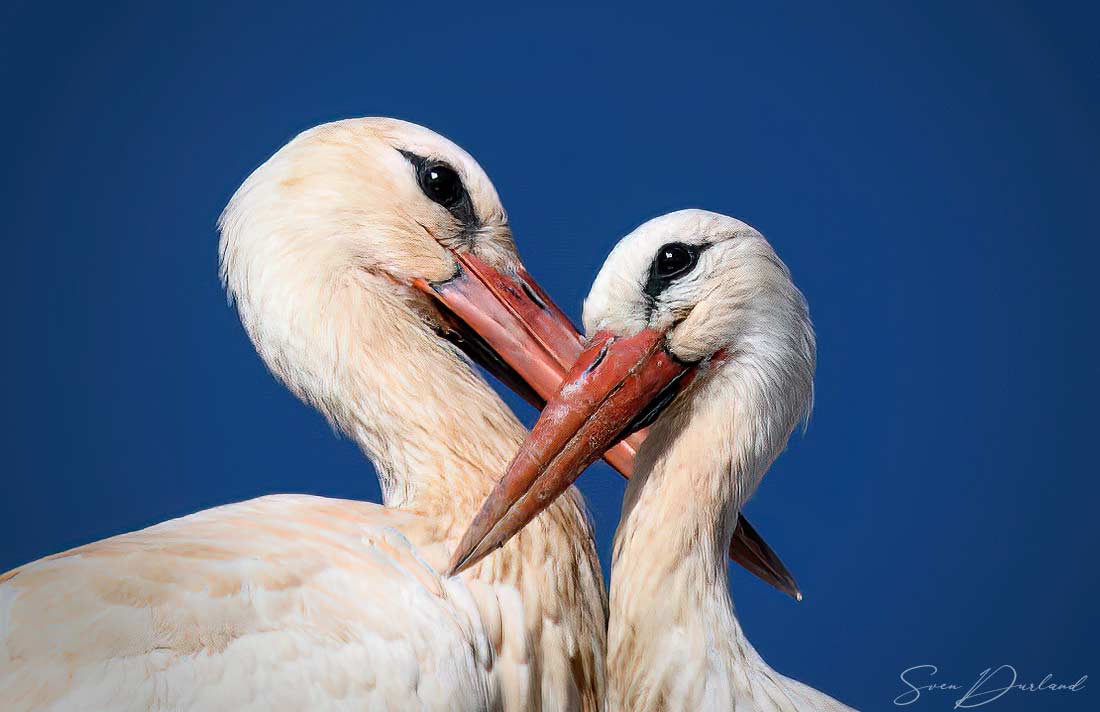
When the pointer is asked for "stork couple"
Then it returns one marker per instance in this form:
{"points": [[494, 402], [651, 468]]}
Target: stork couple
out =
{"points": [[371, 261]]}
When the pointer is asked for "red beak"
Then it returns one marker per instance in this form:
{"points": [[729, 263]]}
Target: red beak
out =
{"points": [[509, 325], [608, 388]]}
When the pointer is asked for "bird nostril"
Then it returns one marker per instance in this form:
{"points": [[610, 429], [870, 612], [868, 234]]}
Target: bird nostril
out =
{"points": [[599, 358], [532, 296]]}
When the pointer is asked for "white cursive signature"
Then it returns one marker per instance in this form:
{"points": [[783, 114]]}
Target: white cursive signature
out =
{"points": [[992, 684]]}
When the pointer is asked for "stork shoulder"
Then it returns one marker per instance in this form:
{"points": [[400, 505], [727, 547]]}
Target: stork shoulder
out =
{"points": [[281, 602]]}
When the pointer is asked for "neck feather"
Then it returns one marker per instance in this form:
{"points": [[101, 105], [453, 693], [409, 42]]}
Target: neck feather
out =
{"points": [[672, 617], [437, 433], [440, 438]]}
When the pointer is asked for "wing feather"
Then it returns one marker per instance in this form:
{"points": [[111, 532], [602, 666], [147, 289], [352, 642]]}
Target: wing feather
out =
{"points": [[283, 602]]}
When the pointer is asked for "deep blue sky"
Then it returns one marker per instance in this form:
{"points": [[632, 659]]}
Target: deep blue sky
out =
{"points": [[928, 172]]}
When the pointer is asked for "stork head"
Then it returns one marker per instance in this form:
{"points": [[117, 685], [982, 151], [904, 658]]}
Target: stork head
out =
{"points": [[367, 240], [360, 256], [695, 327]]}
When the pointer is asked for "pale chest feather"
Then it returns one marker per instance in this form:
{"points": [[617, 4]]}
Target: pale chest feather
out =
{"points": [[286, 602], [681, 670]]}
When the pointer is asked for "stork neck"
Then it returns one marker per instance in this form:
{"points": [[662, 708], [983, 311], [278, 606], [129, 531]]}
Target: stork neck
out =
{"points": [[671, 615], [436, 432], [440, 437], [669, 567], [672, 621]]}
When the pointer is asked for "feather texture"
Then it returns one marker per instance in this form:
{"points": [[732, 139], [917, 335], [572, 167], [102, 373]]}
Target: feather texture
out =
{"points": [[674, 641], [283, 602], [292, 602]]}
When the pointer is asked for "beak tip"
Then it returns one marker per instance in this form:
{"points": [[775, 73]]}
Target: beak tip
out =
{"points": [[457, 566], [463, 558]]}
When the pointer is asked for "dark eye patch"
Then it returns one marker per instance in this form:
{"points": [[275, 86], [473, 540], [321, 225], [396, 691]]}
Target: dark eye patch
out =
{"points": [[442, 184], [673, 260]]}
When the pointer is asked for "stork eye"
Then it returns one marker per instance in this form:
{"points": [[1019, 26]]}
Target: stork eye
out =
{"points": [[675, 259], [440, 183]]}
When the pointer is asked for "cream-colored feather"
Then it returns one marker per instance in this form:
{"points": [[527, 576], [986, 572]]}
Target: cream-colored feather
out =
{"points": [[674, 642], [293, 602]]}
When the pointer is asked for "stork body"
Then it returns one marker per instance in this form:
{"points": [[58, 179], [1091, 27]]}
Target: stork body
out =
{"points": [[696, 327], [294, 602]]}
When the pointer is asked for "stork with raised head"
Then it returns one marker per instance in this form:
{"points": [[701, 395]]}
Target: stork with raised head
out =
{"points": [[696, 327], [350, 255], [363, 257]]}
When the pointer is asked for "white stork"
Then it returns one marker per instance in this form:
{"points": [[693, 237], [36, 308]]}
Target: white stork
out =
{"points": [[349, 254], [697, 327]]}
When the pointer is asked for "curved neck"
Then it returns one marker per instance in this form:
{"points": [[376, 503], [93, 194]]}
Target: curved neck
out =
{"points": [[673, 636], [436, 432], [439, 438]]}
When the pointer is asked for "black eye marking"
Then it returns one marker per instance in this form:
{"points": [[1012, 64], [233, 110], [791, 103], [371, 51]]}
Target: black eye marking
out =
{"points": [[673, 261], [443, 185]]}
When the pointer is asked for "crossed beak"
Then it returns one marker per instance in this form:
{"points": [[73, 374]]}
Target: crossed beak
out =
{"points": [[612, 385], [508, 324]]}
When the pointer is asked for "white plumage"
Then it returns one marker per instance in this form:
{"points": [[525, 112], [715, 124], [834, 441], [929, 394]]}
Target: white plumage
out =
{"points": [[293, 602], [674, 641], [695, 315], [279, 602]]}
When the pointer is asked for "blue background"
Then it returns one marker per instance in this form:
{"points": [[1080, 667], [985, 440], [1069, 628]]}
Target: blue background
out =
{"points": [[928, 172]]}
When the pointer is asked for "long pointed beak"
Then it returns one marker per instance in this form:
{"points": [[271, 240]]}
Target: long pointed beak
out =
{"points": [[512, 328], [612, 385], [506, 323]]}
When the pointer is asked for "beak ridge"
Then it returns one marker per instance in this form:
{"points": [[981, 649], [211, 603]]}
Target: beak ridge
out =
{"points": [[612, 382], [508, 324]]}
